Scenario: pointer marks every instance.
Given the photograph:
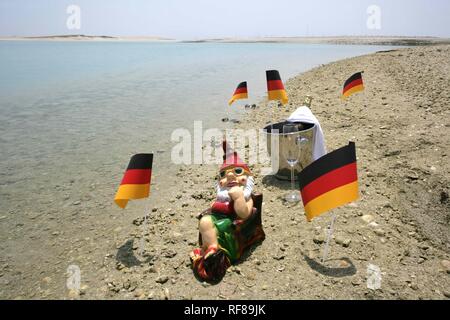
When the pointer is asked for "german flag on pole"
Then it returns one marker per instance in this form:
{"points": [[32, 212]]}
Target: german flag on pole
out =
{"points": [[136, 180], [329, 182], [275, 87], [240, 93], [352, 85]]}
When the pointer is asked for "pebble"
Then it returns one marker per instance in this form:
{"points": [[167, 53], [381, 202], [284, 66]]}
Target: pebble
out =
{"points": [[446, 294], [356, 282], [47, 280], [170, 253], [83, 289], [119, 265], [236, 270], [412, 175], [279, 256], [139, 293], [162, 279], [344, 264], [367, 218], [446, 265], [379, 232], [114, 286], [177, 235], [151, 295], [166, 294], [373, 224], [73, 294], [343, 242], [151, 269], [319, 239]]}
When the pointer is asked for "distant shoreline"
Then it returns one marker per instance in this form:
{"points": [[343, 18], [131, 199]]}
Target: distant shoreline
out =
{"points": [[87, 38], [340, 40]]}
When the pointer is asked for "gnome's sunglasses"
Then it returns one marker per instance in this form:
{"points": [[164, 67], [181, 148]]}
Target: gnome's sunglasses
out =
{"points": [[237, 171]]}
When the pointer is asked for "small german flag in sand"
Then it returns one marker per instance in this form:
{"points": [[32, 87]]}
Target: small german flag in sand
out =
{"points": [[352, 85], [329, 182], [275, 87], [240, 93], [136, 180]]}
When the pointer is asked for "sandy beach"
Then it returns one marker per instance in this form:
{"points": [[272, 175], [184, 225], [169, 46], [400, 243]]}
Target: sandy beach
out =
{"points": [[400, 125]]}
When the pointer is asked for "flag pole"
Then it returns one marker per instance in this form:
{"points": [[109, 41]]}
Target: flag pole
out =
{"points": [[330, 235], [271, 115], [144, 228], [144, 225]]}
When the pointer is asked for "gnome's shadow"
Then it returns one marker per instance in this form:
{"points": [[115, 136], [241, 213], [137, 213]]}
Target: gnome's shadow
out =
{"points": [[330, 271], [248, 253], [126, 256]]}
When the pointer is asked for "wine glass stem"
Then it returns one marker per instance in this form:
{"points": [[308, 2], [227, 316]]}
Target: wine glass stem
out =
{"points": [[292, 178]]}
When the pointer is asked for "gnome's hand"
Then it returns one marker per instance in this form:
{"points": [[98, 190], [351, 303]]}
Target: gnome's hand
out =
{"points": [[236, 193]]}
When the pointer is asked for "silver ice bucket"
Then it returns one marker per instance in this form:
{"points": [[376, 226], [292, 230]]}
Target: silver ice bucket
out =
{"points": [[303, 139]]}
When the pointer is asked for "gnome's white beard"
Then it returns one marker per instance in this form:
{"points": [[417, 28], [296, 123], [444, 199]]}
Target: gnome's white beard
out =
{"points": [[222, 192]]}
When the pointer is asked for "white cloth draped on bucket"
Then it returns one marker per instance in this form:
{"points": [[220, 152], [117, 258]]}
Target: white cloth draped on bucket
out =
{"points": [[304, 114]]}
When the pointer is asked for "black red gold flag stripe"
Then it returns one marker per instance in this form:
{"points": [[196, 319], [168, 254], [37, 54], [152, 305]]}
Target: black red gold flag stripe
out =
{"points": [[136, 180], [329, 182], [240, 93], [352, 85], [275, 87]]}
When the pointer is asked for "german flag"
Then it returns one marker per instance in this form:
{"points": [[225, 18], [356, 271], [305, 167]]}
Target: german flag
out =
{"points": [[275, 87], [329, 182], [240, 93], [136, 180], [352, 85]]}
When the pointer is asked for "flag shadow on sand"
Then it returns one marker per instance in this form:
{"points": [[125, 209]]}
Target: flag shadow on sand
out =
{"points": [[125, 255], [336, 272]]}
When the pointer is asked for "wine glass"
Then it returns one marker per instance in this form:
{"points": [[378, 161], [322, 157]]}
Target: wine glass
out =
{"points": [[291, 151]]}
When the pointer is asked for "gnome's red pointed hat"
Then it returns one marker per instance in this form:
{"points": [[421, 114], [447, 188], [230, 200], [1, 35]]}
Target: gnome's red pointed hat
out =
{"points": [[232, 160]]}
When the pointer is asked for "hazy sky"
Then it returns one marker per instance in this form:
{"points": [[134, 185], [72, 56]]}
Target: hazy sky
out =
{"points": [[193, 19]]}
